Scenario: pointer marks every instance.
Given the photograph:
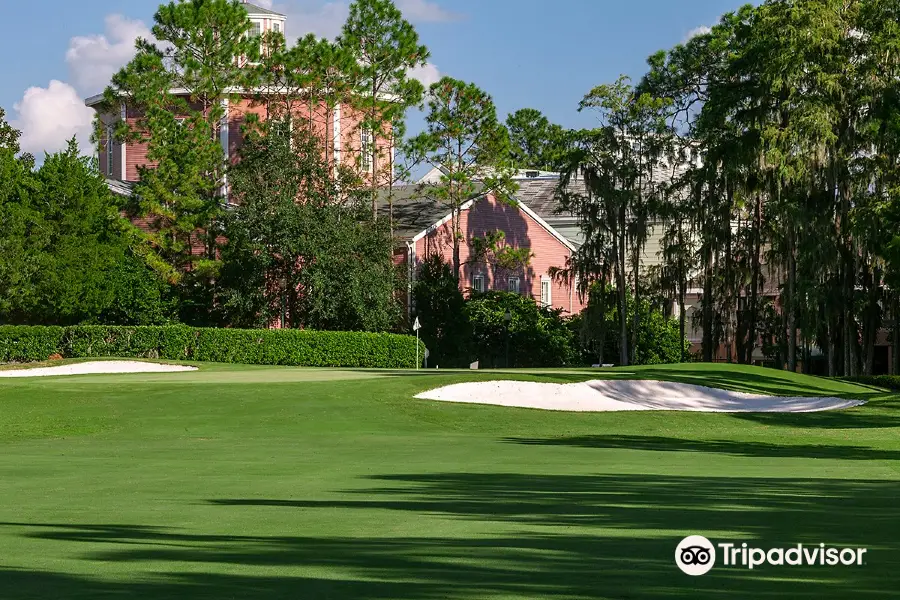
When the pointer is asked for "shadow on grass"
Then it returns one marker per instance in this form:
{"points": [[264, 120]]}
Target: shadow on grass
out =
{"points": [[731, 448], [588, 536], [870, 417], [756, 381]]}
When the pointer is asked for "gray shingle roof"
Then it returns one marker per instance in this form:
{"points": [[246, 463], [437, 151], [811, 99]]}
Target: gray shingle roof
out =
{"points": [[414, 212], [120, 188], [253, 9], [539, 194]]}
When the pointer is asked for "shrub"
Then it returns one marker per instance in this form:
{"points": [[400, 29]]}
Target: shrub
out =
{"points": [[890, 382], [441, 309], [265, 347], [597, 331], [538, 337], [24, 344]]}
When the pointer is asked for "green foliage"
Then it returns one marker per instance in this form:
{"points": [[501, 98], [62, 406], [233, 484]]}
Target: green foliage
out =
{"points": [[314, 71], [658, 339], [270, 347], [141, 296], [9, 136], [619, 164], [493, 251], [67, 252], [593, 325], [180, 194], [441, 309], [384, 47], [295, 256], [535, 143], [536, 336], [462, 135], [888, 382], [29, 344]]}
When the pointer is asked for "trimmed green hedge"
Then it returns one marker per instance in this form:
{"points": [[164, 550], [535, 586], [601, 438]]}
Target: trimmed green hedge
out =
{"points": [[889, 382], [261, 347]]}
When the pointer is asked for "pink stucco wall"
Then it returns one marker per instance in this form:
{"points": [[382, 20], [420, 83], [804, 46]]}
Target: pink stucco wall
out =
{"points": [[522, 231]]}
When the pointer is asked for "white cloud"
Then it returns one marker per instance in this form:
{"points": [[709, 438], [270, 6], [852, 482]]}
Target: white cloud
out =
{"points": [[49, 117], [93, 59], [427, 74], [701, 30], [325, 21], [424, 11]]}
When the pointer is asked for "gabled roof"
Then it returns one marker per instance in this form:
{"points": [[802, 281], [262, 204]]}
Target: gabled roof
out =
{"points": [[414, 212], [255, 10], [416, 215], [540, 194]]}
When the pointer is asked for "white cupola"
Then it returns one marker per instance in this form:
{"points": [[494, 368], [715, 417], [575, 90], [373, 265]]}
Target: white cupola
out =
{"points": [[264, 20]]}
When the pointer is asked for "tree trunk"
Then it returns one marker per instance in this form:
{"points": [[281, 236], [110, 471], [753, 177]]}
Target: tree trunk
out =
{"points": [[636, 320], [753, 309], [791, 307], [832, 350], [682, 285], [455, 219], [707, 309], [895, 342], [391, 189], [622, 283]]}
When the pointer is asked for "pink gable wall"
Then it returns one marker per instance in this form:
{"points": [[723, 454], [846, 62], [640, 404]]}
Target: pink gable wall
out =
{"points": [[522, 231]]}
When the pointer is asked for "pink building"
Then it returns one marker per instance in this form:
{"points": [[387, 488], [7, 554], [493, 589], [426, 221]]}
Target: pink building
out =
{"points": [[338, 127], [424, 228]]}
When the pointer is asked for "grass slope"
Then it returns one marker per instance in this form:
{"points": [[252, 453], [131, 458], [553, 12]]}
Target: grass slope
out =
{"points": [[256, 483]]}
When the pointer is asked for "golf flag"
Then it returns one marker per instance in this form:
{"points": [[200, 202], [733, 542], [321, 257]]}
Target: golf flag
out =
{"points": [[417, 326]]}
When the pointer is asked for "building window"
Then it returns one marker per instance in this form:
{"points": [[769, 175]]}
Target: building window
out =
{"points": [[255, 29], [109, 150], [365, 148], [277, 27], [513, 285], [478, 283], [546, 298]]}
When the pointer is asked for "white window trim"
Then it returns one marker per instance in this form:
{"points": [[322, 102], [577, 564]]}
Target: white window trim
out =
{"points": [[364, 150], [549, 283], [479, 277], [123, 146]]}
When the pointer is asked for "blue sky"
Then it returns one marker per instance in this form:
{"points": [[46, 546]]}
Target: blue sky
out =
{"points": [[526, 53]]}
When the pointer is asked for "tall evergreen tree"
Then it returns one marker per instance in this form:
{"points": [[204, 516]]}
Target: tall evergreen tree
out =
{"points": [[178, 86], [385, 48], [464, 138]]}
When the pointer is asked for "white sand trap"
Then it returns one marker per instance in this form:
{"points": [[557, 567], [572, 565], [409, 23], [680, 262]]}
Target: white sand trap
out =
{"points": [[622, 395], [95, 367]]}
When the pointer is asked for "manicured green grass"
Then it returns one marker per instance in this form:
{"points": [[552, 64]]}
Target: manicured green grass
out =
{"points": [[256, 483]]}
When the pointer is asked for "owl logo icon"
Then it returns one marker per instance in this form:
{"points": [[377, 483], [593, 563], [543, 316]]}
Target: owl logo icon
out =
{"points": [[695, 555]]}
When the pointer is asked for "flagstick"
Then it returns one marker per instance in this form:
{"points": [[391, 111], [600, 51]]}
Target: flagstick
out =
{"points": [[417, 349]]}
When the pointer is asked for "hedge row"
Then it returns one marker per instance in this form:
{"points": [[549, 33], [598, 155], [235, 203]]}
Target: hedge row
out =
{"points": [[259, 347], [890, 382]]}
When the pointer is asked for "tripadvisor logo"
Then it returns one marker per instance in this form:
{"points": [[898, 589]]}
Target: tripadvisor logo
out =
{"points": [[696, 555]]}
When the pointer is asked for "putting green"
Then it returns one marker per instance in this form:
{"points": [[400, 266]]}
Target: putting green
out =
{"points": [[276, 482]]}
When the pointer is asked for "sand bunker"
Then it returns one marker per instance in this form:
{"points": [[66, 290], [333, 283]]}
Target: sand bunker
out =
{"points": [[100, 366], [623, 395]]}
